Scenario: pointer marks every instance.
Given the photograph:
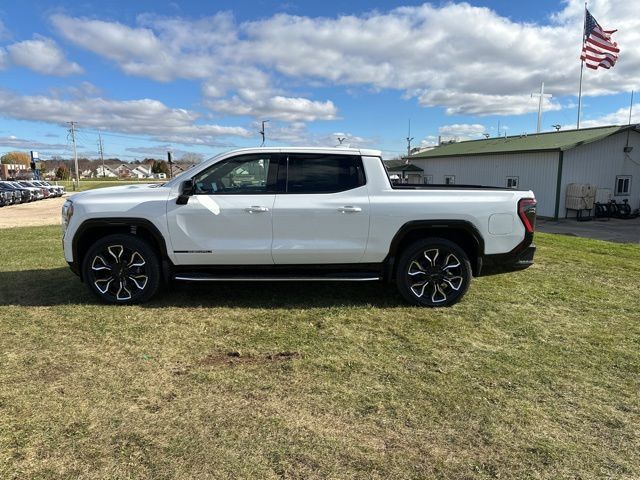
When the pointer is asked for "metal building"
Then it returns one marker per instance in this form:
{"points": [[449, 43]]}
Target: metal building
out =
{"points": [[608, 157], [403, 172]]}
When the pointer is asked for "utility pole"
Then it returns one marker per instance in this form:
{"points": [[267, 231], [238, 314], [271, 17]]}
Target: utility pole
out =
{"points": [[542, 96], [631, 107], [409, 138], [101, 149], [72, 130]]}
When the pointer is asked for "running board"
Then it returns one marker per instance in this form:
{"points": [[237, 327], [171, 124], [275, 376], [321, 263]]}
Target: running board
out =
{"points": [[273, 278]]}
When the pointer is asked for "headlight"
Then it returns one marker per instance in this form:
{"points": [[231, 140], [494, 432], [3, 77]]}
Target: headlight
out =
{"points": [[67, 213]]}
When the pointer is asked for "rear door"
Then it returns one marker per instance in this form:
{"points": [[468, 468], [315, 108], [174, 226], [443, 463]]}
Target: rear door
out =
{"points": [[321, 213], [228, 219]]}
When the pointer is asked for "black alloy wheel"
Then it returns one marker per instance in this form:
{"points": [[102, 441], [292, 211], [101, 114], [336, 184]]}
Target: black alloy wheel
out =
{"points": [[122, 269], [433, 273]]}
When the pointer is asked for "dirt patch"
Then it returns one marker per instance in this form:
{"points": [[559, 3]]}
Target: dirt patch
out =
{"points": [[34, 214], [236, 358], [232, 359]]}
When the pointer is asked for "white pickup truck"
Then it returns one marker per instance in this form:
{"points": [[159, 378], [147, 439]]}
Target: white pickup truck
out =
{"points": [[296, 214]]}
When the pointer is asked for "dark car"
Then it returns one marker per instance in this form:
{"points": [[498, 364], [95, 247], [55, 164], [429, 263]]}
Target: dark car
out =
{"points": [[23, 194]]}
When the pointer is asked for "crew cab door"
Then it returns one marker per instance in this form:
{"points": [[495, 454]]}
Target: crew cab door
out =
{"points": [[321, 212], [227, 221]]}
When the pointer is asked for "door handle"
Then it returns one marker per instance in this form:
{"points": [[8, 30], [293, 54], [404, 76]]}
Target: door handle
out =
{"points": [[349, 209], [256, 209]]}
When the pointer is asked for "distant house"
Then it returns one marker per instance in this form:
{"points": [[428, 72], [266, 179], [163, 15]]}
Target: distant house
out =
{"points": [[402, 171], [105, 172], [607, 157], [88, 173], [141, 171], [123, 170]]}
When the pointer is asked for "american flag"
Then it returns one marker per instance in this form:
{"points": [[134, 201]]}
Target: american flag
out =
{"points": [[598, 49]]}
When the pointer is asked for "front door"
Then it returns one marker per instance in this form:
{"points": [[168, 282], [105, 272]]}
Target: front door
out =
{"points": [[228, 220], [321, 213]]}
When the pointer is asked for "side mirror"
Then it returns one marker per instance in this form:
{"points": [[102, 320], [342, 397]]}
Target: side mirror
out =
{"points": [[186, 190]]}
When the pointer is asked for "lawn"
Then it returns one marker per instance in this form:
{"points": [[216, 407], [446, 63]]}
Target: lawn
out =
{"points": [[534, 375], [101, 183]]}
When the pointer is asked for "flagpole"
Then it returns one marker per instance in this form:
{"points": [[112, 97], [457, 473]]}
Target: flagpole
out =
{"points": [[584, 24], [580, 95]]}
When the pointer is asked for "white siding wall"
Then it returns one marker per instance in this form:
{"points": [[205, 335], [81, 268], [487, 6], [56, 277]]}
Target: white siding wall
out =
{"points": [[600, 162], [535, 171]]}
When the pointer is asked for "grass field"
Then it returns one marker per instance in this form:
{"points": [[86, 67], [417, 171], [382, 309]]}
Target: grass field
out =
{"points": [[535, 375], [102, 183]]}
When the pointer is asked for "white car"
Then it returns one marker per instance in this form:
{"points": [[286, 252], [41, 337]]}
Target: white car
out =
{"points": [[295, 214]]}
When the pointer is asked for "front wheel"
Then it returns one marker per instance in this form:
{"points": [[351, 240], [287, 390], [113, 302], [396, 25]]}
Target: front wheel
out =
{"points": [[122, 269], [433, 273]]}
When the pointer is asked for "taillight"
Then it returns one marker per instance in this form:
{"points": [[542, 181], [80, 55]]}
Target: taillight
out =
{"points": [[527, 213]]}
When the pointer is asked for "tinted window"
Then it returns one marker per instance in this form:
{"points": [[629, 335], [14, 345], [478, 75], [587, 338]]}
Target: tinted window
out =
{"points": [[245, 174], [323, 173]]}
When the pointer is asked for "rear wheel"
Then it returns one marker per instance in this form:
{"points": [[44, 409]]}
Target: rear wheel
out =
{"points": [[433, 273], [122, 269]]}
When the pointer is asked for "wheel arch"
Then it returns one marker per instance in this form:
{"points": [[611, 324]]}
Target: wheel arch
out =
{"points": [[93, 229], [461, 232]]}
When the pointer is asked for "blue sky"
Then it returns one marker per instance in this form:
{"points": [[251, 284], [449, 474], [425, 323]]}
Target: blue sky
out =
{"points": [[196, 77]]}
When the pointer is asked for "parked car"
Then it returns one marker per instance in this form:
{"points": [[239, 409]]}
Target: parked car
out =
{"points": [[21, 194], [6, 198], [36, 193], [52, 190], [29, 184], [296, 215], [58, 188]]}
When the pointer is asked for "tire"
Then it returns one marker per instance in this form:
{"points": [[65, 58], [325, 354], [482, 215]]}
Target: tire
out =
{"points": [[433, 273], [122, 269]]}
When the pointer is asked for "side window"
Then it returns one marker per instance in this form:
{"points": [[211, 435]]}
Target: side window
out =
{"points": [[319, 173], [512, 182], [245, 174], [449, 179], [623, 185]]}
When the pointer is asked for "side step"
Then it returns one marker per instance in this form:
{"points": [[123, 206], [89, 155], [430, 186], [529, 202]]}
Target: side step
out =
{"points": [[203, 277]]}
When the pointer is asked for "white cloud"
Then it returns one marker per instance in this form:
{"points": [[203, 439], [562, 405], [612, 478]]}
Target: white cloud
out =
{"points": [[168, 48], [297, 133], [160, 48], [462, 130], [455, 131], [3, 59], [4, 31], [619, 117], [288, 109], [467, 59], [42, 55], [140, 117], [464, 58], [483, 104], [160, 152], [13, 142]]}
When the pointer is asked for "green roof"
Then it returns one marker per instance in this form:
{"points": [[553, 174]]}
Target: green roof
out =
{"points": [[401, 166], [550, 141]]}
